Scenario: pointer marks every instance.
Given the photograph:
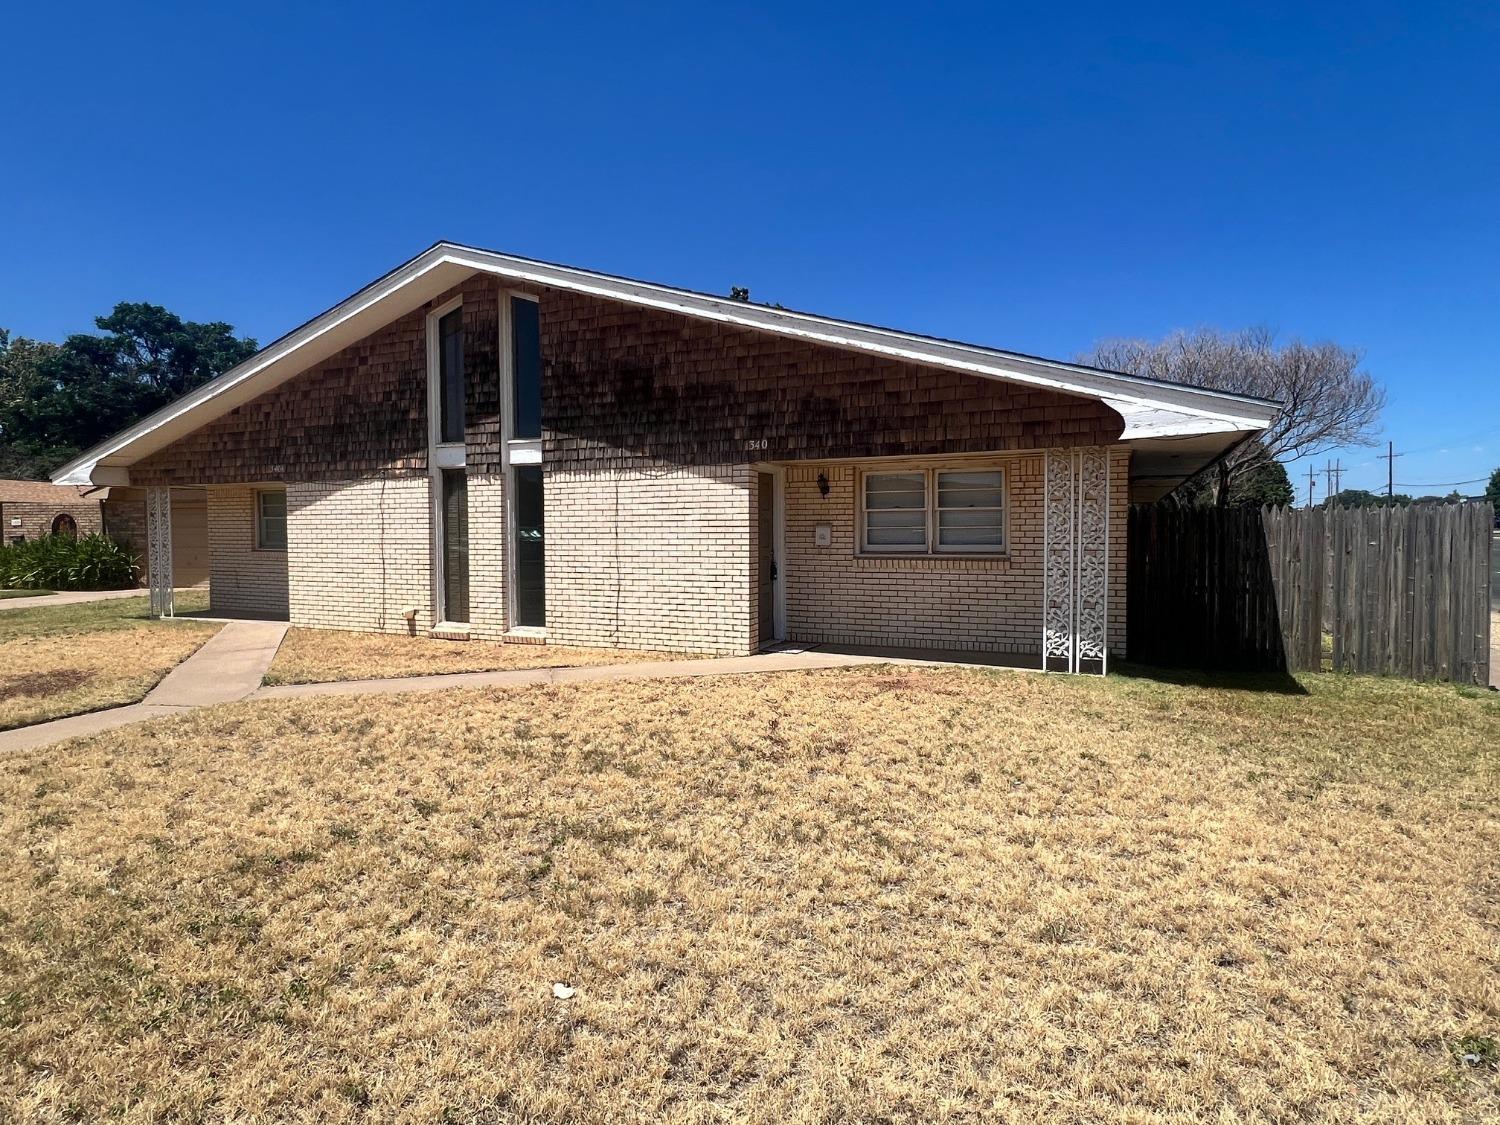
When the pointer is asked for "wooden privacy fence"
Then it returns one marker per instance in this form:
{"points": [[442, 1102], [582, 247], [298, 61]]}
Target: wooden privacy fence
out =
{"points": [[1397, 591]]}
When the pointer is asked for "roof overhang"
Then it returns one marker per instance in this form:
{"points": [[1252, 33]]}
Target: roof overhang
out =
{"points": [[1152, 410]]}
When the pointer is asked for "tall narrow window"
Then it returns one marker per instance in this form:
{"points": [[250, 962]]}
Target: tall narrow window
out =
{"points": [[526, 369], [451, 376], [531, 584], [455, 545]]}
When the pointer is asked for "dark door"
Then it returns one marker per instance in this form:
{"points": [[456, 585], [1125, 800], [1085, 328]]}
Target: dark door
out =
{"points": [[766, 562]]}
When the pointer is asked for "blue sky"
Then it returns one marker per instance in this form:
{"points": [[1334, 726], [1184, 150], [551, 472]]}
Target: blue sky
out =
{"points": [[1032, 177]]}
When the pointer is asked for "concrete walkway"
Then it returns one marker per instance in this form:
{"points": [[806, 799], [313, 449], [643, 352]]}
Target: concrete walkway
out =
{"points": [[72, 597], [229, 666]]}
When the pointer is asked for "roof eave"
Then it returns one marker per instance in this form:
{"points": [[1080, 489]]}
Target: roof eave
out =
{"points": [[1132, 396]]}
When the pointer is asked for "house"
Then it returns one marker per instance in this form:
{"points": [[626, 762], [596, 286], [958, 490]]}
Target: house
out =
{"points": [[483, 445], [125, 520], [30, 509]]}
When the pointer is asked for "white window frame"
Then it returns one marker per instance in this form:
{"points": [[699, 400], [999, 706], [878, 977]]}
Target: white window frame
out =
{"points": [[260, 533], [931, 548], [447, 454], [441, 455], [513, 450]]}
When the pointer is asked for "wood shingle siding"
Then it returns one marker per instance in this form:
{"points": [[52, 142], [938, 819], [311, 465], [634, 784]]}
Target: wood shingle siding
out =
{"points": [[627, 387], [623, 387]]}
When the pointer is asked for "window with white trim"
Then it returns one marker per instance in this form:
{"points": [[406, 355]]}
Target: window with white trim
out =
{"points": [[270, 520], [933, 511]]}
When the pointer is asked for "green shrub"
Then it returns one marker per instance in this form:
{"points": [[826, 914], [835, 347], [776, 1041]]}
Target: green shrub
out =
{"points": [[61, 562]]}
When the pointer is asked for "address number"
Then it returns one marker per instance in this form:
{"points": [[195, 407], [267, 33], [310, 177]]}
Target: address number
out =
{"points": [[758, 443]]}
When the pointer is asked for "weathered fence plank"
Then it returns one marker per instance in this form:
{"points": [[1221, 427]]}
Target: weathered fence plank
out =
{"points": [[1398, 591]]}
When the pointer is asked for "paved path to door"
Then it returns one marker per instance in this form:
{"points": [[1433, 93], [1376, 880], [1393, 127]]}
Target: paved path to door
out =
{"points": [[72, 597], [231, 664]]}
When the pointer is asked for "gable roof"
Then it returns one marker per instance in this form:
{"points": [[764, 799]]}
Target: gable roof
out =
{"points": [[1152, 409], [38, 492]]}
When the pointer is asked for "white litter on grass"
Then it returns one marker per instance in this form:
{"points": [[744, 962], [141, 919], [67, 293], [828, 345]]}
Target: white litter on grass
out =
{"points": [[562, 991]]}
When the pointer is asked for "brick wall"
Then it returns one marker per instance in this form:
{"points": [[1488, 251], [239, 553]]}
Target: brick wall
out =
{"points": [[242, 579], [661, 560], [487, 595], [359, 553], [835, 596], [36, 517], [125, 520]]}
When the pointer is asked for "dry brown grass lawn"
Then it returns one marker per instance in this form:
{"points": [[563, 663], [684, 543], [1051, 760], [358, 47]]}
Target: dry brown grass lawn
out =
{"points": [[65, 660], [853, 895], [316, 656]]}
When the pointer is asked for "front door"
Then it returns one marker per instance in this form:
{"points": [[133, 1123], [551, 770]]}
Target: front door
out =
{"points": [[765, 538]]}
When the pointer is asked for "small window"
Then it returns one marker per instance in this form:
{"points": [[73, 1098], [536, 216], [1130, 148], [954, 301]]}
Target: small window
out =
{"points": [[971, 511], [526, 366], [929, 511], [451, 377], [896, 512], [270, 520]]}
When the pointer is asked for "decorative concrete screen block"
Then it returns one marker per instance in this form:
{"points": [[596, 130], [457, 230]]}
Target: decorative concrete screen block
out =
{"points": [[360, 553], [652, 559], [159, 549], [1076, 549]]}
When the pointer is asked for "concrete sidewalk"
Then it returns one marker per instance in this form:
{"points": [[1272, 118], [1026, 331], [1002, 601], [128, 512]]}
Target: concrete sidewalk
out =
{"points": [[646, 669], [229, 666], [73, 597]]}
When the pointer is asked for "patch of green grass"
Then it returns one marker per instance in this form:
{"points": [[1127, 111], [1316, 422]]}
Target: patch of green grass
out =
{"points": [[90, 617], [24, 593]]}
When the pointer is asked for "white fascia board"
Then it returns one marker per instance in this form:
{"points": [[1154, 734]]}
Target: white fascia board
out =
{"points": [[442, 266]]}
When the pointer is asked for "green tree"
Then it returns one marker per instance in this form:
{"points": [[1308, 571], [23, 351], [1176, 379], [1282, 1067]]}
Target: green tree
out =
{"points": [[21, 382], [58, 399], [1492, 490], [1266, 485]]}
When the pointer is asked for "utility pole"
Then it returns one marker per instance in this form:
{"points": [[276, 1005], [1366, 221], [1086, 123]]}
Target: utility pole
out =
{"points": [[1312, 483], [1334, 470], [1390, 469]]}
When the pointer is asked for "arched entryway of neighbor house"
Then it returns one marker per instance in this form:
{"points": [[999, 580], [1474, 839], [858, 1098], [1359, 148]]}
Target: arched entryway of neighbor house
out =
{"points": [[64, 524]]}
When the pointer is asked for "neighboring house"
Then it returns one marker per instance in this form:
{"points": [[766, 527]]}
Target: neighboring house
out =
{"points": [[125, 520], [30, 509], [483, 445]]}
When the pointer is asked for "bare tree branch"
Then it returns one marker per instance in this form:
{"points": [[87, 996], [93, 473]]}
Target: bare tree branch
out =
{"points": [[1327, 401]]}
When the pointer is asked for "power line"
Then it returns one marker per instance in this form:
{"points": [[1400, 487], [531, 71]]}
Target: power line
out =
{"points": [[1445, 483]]}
